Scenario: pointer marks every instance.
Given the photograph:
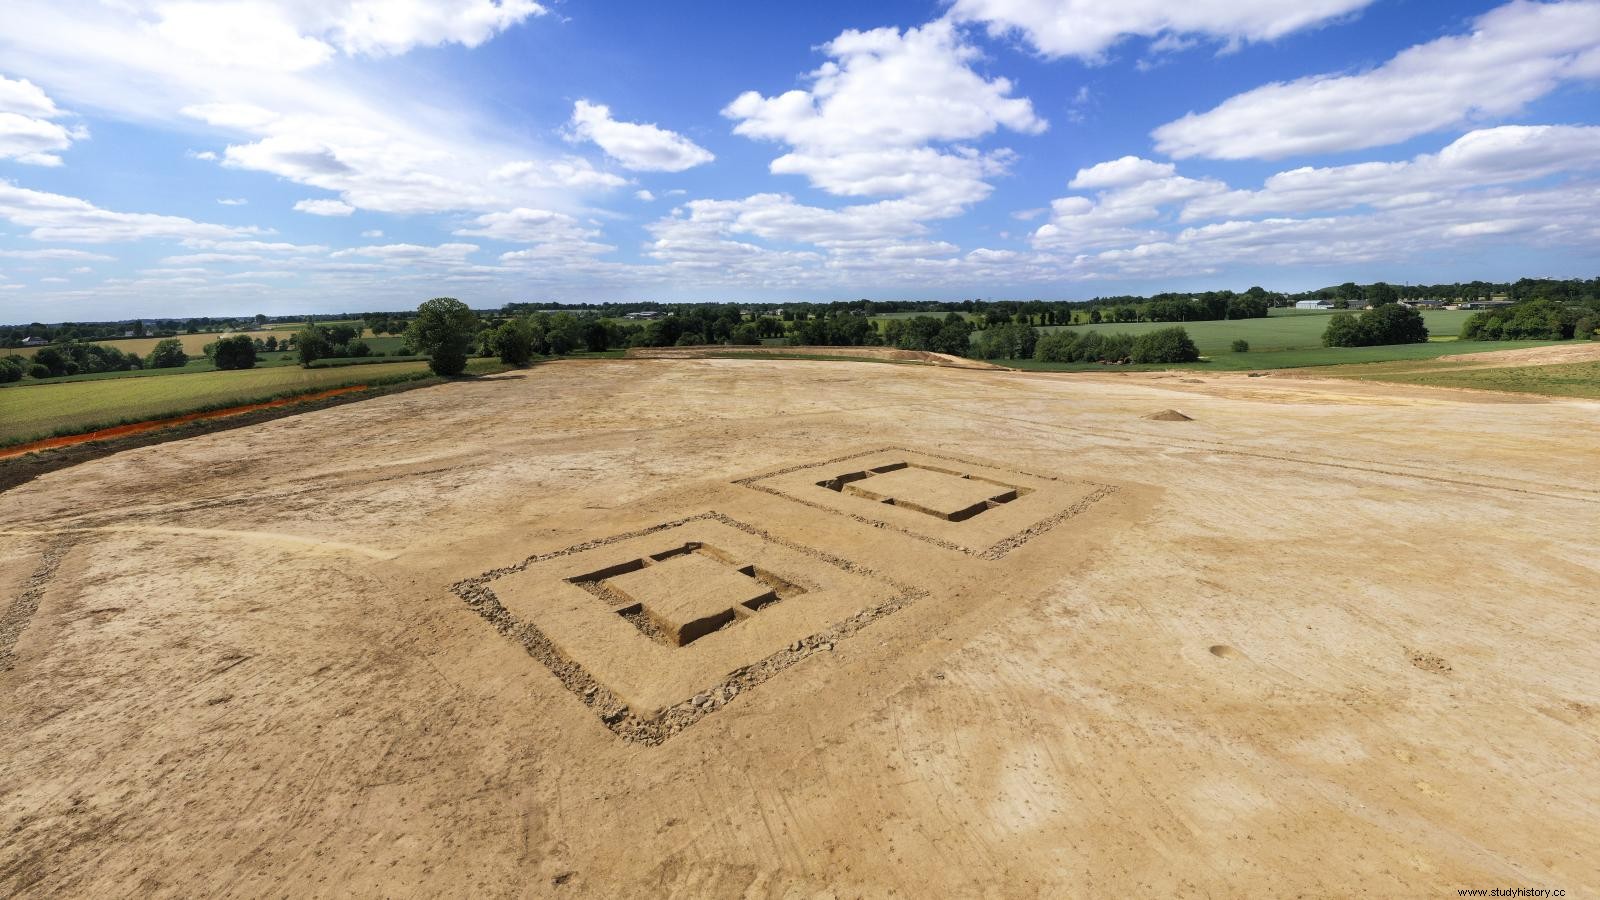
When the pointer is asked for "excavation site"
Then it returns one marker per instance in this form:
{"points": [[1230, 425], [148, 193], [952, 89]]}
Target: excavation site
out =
{"points": [[814, 627]]}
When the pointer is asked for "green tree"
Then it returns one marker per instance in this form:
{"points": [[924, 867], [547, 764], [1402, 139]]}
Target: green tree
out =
{"points": [[1241, 346], [1344, 330], [443, 330], [1382, 293], [167, 354], [237, 352], [1164, 345], [311, 344], [513, 341]]}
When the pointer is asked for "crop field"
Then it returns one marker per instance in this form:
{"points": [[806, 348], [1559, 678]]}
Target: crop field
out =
{"points": [[709, 627], [193, 344], [39, 410], [1273, 333]]}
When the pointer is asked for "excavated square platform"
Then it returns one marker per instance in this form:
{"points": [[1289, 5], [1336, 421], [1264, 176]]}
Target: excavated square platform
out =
{"points": [[978, 508], [690, 595], [782, 595], [943, 495]]}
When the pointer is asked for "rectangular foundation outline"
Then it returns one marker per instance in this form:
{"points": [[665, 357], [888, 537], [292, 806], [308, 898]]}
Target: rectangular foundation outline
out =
{"points": [[653, 730], [996, 551]]}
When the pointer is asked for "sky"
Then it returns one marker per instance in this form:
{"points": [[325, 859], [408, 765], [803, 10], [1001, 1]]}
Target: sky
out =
{"points": [[280, 156]]}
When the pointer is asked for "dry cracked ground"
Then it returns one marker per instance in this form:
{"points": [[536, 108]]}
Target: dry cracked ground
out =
{"points": [[675, 628]]}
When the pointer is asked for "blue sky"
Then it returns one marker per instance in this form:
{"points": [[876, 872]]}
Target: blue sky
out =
{"points": [[240, 156]]}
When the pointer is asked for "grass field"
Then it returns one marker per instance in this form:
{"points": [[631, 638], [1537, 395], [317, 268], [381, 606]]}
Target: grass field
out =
{"points": [[1562, 380], [389, 346], [194, 344], [41, 410], [1290, 331], [1295, 359]]}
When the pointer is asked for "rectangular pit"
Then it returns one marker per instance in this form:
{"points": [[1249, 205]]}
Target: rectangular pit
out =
{"points": [[637, 626], [981, 509]]}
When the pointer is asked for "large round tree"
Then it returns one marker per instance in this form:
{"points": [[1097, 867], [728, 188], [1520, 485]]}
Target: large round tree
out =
{"points": [[443, 330]]}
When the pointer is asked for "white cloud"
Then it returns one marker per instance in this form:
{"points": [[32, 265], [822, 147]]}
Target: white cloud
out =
{"points": [[324, 207], [201, 259], [644, 195], [875, 115], [1120, 173], [570, 172], [232, 201], [1086, 29], [26, 132], [1514, 54], [374, 233], [379, 27], [276, 79], [554, 236], [1503, 155], [25, 98], [54, 217], [1136, 198], [642, 148], [441, 254], [57, 254], [294, 36]]}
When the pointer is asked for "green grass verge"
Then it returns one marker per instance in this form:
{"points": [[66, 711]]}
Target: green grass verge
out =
{"points": [[1560, 380]]}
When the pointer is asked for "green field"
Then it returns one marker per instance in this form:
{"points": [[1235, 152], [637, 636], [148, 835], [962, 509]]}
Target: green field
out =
{"points": [[1295, 359], [194, 344], [1561, 380], [39, 410], [1284, 330]]}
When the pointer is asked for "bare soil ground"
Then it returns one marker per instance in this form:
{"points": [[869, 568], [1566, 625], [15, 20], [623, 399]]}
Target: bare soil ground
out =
{"points": [[890, 354], [1326, 638]]}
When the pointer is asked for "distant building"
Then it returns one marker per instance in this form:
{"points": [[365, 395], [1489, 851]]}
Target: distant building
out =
{"points": [[1313, 304], [34, 342], [646, 314]]}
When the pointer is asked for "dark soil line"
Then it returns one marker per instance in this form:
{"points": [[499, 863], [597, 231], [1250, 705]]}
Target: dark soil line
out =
{"points": [[22, 469]]}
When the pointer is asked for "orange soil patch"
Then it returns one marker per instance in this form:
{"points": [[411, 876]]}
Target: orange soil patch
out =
{"points": [[153, 424]]}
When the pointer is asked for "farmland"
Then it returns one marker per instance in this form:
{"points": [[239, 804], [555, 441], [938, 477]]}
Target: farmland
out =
{"points": [[31, 411], [1284, 330]]}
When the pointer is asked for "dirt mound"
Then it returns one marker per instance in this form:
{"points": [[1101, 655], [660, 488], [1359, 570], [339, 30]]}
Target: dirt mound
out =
{"points": [[1169, 415], [882, 353]]}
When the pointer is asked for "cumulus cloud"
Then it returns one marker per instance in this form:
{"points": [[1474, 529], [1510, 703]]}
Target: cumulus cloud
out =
{"points": [[56, 217], [324, 207], [440, 254], [642, 148], [1490, 156], [264, 35], [1461, 196], [1120, 173], [890, 115], [261, 73], [27, 133], [1513, 55], [1086, 29], [644, 195]]}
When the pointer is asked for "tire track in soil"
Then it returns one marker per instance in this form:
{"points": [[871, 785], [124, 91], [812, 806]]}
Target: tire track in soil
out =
{"points": [[20, 612]]}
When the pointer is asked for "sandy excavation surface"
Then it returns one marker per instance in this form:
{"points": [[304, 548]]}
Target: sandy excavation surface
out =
{"points": [[1324, 639]]}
